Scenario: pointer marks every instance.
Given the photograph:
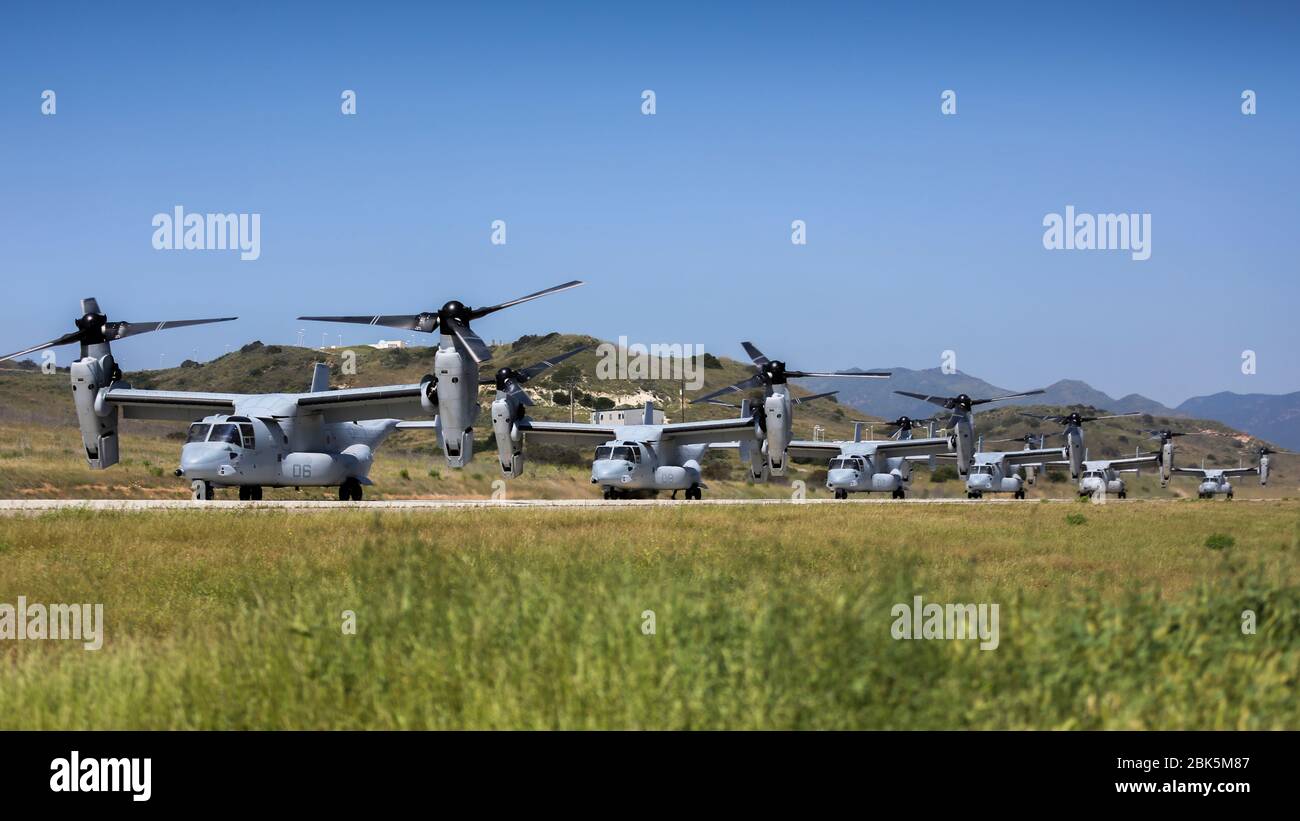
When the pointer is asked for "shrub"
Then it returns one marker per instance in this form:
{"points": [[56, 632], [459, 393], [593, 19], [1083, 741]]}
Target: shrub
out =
{"points": [[1220, 541]]}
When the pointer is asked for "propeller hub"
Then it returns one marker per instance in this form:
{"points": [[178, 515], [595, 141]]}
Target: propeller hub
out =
{"points": [[454, 310], [774, 373], [504, 377]]}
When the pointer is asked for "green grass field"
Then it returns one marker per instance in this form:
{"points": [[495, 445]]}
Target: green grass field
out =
{"points": [[1112, 616]]}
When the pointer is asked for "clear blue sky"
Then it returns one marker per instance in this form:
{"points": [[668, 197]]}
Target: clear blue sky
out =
{"points": [[924, 231]]}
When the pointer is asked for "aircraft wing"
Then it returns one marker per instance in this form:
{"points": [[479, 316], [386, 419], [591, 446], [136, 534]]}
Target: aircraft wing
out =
{"points": [[1239, 471], [1038, 456], [1135, 462], [915, 447], [1190, 471], [707, 432], [352, 404], [180, 406], [566, 433], [808, 449]]}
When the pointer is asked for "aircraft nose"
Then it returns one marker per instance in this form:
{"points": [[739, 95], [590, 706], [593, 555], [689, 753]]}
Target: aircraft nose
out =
{"points": [[202, 458], [607, 471], [981, 482], [842, 477]]}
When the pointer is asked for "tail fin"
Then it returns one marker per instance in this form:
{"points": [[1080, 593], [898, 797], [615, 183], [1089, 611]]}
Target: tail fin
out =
{"points": [[857, 431], [320, 378], [649, 417]]}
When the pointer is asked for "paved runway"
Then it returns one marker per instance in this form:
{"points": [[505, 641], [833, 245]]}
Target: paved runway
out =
{"points": [[14, 506]]}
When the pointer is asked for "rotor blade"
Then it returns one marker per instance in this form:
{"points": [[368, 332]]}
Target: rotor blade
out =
{"points": [[478, 312], [744, 385], [941, 401], [849, 374], [121, 330], [534, 370], [1008, 396], [755, 354], [63, 340], [720, 403], [518, 393], [1041, 417], [470, 341], [425, 323], [799, 400], [1110, 416]]}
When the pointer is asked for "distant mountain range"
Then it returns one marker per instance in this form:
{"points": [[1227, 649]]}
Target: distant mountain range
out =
{"points": [[1268, 416], [1275, 417]]}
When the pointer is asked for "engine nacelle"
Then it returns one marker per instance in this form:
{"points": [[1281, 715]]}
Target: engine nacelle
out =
{"points": [[96, 418], [510, 442], [1074, 437], [1166, 462], [778, 427], [964, 443], [1263, 469]]}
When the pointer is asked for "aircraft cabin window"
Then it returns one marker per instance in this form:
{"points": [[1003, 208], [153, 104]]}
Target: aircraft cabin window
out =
{"points": [[198, 433], [246, 431], [225, 433]]}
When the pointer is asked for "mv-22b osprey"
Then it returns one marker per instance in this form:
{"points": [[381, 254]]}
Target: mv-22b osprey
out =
{"points": [[874, 466], [454, 383], [650, 457], [321, 438], [999, 471]]}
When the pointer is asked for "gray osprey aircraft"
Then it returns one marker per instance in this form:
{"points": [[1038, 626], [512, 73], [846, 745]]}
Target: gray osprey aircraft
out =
{"points": [[999, 471], [775, 416], [1100, 477], [455, 380], [960, 409], [1073, 432], [319, 438], [629, 459], [877, 465], [1215, 480]]}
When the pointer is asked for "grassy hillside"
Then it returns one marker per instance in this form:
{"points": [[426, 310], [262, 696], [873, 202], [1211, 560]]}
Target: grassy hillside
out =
{"points": [[1117, 617]]}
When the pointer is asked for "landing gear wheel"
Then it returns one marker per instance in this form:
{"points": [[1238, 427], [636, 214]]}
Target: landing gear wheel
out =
{"points": [[201, 490], [350, 490], [1123, 494], [1229, 497], [841, 493], [898, 494], [1020, 494], [255, 493], [694, 493], [243, 493], [608, 493]]}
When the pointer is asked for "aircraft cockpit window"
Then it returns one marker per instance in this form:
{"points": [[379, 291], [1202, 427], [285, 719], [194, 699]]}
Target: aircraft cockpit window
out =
{"points": [[246, 432], [225, 433], [198, 432], [627, 454], [846, 463], [603, 452], [986, 470]]}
